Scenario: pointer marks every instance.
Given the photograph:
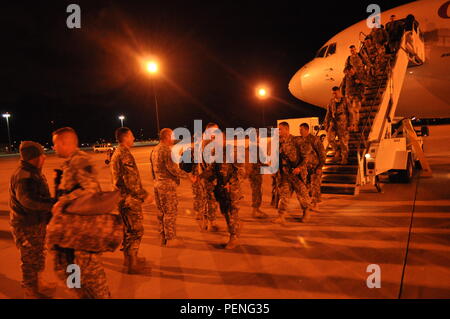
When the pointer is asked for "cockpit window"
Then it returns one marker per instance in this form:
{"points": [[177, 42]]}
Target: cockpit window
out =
{"points": [[321, 52], [331, 49]]}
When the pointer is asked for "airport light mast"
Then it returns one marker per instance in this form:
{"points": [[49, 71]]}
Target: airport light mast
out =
{"points": [[121, 118], [152, 69], [7, 116]]}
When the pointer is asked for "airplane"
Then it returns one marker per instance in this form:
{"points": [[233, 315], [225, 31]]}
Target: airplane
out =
{"points": [[426, 89]]}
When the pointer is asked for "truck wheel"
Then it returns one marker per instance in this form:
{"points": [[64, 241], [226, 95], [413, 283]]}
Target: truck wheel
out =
{"points": [[405, 176]]}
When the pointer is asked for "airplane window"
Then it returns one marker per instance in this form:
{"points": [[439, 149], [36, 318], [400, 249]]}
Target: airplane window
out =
{"points": [[321, 52], [331, 49]]}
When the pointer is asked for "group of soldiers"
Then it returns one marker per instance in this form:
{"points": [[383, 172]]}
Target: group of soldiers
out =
{"points": [[215, 185], [361, 69]]}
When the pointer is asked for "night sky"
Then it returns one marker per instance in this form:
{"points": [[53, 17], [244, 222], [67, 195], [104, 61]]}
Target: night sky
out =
{"points": [[212, 55]]}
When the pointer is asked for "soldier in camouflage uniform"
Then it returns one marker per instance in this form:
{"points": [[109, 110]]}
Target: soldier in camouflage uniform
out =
{"points": [[126, 178], [226, 178], [315, 162], [79, 178], [353, 90], [369, 53], [30, 204], [292, 175], [253, 171], [337, 124], [204, 201], [356, 60], [166, 178]]}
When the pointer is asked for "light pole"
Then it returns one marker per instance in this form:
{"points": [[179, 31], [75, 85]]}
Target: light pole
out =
{"points": [[262, 93], [121, 118], [7, 116], [152, 68]]}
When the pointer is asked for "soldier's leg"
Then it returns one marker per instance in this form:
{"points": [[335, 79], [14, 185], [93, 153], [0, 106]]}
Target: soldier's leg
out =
{"points": [[93, 278], [357, 108], [132, 217], [211, 203], [284, 190], [256, 185], [316, 180], [333, 144], [169, 204], [344, 136], [160, 215], [232, 217], [30, 241], [198, 199], [302, 194]]}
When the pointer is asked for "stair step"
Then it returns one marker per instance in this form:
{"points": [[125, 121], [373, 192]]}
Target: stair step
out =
{"points": [[339, 179], [340, 169], [338, 190]]}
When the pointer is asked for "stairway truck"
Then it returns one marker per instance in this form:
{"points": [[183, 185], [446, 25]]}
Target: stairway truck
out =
{"points": [[393, 156], [314, 127]]}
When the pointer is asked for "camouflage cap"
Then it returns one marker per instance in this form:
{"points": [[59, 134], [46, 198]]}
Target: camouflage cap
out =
{"points": [[29, 150]]}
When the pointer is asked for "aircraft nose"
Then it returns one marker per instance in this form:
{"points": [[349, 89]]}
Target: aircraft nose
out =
{"points": [[296, 85]]}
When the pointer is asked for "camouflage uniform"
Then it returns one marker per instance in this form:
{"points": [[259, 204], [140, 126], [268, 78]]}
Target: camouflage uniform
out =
{"points": [[30, 205], [380, 37], [126, 178], [80, 178], [353, 90], [315, 160], [253, 171], [357, 62], [166, 177], [204, 202], [337, 124], [292, 151], [232, 174]]}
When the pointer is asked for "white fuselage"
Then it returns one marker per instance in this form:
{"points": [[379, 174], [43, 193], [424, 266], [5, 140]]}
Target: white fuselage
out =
{"points": [[426, 90]]}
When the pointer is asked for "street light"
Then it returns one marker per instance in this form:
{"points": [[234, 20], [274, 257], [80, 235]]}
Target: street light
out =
{"points": [[152, 68], [262, 93], [7, 116], [121, 118]]}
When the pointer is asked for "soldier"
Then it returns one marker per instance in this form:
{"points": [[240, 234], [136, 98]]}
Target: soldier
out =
{"points": [[204, 189], [166, 178], [126, 178], [226, 178], [369, 52], [380, 36], [253, 172], [30, 206], [336, 124], [292, 175], [353, 90], [395, 32], [356, 60], [315, 162], [79, 178]]}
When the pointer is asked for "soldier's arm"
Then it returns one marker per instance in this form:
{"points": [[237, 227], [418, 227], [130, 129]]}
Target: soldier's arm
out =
{"points": [[132, 180], [327, 119], [172, 167], [303, 153], [27, 193]]}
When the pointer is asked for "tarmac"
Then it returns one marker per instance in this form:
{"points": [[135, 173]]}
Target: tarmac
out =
{"points": [[405, 230]]}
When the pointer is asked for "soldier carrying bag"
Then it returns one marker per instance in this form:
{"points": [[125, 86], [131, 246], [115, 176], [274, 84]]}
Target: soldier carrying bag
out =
{"points": [[88, 223]]}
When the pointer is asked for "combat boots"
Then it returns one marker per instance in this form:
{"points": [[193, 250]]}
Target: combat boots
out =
{"points": [[136, 268], [306, 215], [126, 259], [174, 243], [279, 220], [257, 213], [212, 226], [233, 242]]}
